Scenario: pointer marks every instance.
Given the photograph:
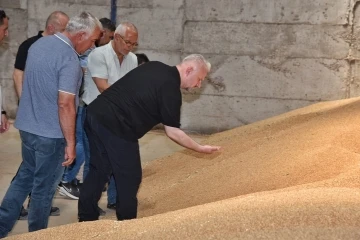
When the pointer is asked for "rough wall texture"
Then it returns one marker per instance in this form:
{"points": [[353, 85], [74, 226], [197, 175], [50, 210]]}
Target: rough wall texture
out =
{"points": [[268, 56]]}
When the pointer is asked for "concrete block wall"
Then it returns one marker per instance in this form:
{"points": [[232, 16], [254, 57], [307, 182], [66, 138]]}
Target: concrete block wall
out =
{"points": [[268, 56]]}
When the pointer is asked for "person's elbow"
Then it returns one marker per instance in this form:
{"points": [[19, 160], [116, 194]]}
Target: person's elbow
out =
{"points": [[172, 132], [18, 76], [66, 101]]}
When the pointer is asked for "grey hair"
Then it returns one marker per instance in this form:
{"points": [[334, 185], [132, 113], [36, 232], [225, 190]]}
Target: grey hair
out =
{"points": [[199, 59], [85, 21], [123, 27]]}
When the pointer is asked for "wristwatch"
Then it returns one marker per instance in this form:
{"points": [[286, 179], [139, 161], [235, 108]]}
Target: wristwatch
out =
{"points": [[3, 112]]}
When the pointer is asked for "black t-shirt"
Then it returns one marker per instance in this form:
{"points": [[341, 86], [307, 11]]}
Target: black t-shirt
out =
{"points": [[22, 53], [132, 106]]}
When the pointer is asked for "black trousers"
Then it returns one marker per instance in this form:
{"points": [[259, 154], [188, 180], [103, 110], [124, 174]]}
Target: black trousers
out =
{"points": [[110, 154]]}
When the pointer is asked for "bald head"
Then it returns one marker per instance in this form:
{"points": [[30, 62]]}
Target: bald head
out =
{"points": [[56, 22], [124, 27]]}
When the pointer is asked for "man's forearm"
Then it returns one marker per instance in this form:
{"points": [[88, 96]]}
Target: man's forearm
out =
{"points": [[181, 138], [101, 84], [67, 116], [18, 77], [103, 87]]}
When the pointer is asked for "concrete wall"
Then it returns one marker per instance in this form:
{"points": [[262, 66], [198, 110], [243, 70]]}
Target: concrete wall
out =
{"points": [[268, 56]]}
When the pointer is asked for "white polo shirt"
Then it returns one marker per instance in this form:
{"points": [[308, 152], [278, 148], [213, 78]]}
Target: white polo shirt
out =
{"points": [[104, 63]]}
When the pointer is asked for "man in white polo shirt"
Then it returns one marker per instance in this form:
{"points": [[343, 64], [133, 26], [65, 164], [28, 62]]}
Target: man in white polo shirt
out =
{"points": [[106, 65], [109, 63]]}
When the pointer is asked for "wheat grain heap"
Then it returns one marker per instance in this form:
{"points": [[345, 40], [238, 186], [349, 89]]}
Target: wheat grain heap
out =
{"points": [[296, 175]]}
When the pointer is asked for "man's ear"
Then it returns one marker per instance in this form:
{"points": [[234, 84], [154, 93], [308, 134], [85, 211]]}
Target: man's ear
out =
{"points": [[116, 36], [50, 29], [189, 69], [81, 36]]}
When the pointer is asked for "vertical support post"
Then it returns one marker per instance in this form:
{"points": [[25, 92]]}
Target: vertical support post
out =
{"points": [[113, 11]]}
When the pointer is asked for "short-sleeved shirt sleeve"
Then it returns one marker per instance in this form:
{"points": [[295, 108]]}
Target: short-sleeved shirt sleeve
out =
{"points": [[23, 50], [97, 65], [70, 75], [170, 104], [21, 56]]}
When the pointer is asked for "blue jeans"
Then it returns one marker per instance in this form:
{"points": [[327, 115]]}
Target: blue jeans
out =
{"points": [[39, 173], [71, 171], [111, 191]]}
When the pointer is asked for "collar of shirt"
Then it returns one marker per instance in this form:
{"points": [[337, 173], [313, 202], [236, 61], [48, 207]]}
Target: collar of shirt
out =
{"points": [[67, 41], [65, 38]]}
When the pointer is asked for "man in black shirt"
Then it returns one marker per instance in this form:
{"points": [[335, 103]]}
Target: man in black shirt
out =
{"points": [[56, 22], [116, 119]]}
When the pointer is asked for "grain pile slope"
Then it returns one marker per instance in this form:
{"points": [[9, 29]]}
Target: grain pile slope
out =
{"points": [[296, 174]]}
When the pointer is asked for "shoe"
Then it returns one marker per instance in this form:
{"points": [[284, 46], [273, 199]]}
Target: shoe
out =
{"points": [[55, 211], [23, 214], [111, 206], [70, 190], [101, 212]]}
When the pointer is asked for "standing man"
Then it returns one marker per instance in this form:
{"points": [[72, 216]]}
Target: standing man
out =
{"points": [[46, 120], [56, 22], [116, 119], [4, 25], [69, 185]]}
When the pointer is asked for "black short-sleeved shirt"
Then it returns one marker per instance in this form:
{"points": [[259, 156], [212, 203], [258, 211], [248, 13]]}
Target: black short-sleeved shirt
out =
{"points": [[22, 53], [132, 106]]}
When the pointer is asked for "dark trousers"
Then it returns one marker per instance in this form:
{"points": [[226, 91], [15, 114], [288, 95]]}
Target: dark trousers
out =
{"points": [[110, 154]]}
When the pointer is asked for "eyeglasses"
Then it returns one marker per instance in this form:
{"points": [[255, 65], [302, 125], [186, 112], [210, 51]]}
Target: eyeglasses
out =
{"points": [[128, 43]]}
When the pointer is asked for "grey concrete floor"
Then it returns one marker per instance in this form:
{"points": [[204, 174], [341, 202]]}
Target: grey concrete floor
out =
{"points": [[153, 145]]}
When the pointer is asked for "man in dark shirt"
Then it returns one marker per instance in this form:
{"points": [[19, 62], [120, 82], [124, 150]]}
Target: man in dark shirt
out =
{"points": [[56, 22], [116, 119]]}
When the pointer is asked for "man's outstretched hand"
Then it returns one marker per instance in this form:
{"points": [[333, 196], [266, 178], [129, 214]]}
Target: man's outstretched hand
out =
{"points": [[209, 149]]}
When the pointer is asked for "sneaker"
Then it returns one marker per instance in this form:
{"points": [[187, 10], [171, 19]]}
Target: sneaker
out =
{"points": [[70, 190], [23, 214], [111, 206], [101, 212], [55, 211]]}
